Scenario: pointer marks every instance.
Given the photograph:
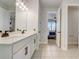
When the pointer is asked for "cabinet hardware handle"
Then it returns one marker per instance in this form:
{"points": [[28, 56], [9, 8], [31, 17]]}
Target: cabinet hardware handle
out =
{"points": [[26, 51], [34, 29], [34, 41]]}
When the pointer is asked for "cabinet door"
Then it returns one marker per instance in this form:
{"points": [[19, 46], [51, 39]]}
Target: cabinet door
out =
{"points": [[22, 54], [31, 47]]}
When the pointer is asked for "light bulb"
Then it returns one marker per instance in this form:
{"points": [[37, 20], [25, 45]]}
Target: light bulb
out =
{"points": [[22, 4], [17, 4]]}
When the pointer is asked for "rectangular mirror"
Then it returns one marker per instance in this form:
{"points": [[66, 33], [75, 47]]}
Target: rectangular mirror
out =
{"points": [[13, 15], [7, 15]]}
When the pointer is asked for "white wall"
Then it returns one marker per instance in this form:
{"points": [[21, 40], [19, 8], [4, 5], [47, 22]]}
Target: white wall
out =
{"points": [[44, 23], [33, 12], [51, 15]]}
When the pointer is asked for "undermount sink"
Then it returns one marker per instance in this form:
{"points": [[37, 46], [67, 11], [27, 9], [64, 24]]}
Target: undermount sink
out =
{"points": [[11, 37]]}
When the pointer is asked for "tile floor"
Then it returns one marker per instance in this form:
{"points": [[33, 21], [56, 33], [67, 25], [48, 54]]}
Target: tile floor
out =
{"points": [[51, 51]]}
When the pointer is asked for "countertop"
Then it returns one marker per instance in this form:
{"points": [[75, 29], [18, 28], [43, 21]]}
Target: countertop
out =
{"points": [[15, 37]]}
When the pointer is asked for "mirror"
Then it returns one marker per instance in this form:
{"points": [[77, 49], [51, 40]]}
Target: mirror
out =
{"points": [[21, 15], [7, 15], [13, 15]]}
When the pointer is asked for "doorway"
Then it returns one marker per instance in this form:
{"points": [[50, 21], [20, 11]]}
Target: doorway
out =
{"points": [[52, 28]]}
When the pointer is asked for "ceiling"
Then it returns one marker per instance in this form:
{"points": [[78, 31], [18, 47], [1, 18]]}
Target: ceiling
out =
{"points": [[44, 3], [51, 14], [50, 3]]}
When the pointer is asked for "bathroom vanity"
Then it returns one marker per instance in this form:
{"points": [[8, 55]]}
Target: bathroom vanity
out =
{"points": [[20, 46], [25, 18]]}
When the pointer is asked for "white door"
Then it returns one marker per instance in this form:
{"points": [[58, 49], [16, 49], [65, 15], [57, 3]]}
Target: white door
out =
{"points": [[58, 31], [78, 28]]}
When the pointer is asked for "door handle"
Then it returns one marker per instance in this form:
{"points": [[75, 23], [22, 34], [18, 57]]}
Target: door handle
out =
{"points": [[58, 32]]}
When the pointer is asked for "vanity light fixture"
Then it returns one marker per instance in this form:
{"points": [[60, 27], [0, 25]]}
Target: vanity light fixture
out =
{"points": [[21, 5], [17, 4]]}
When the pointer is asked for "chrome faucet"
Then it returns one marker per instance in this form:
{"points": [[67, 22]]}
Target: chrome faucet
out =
{"points": [[23, 31], [18, 29]]}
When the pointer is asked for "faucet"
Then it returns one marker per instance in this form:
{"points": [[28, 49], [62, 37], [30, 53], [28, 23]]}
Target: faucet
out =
{"points": [[5, 34], [18, 29], [23, 31]]}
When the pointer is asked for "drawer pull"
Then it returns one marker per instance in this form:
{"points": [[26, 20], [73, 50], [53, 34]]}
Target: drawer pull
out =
{"points": [[34, 41], [34, 29], [26, 51]]}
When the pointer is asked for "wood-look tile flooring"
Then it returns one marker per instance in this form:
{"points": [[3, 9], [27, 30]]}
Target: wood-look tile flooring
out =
{"points": [[51, 51]]}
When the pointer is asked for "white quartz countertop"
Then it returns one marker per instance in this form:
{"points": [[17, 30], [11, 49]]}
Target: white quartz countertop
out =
{"points": [[13, 38]]}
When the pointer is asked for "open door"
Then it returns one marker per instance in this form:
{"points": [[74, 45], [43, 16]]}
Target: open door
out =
{"points": [[78, 30], [58, 31]]}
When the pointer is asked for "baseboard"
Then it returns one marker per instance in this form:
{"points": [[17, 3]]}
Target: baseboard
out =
{"points": [[65, 49], [73, 44], [43, 42]]}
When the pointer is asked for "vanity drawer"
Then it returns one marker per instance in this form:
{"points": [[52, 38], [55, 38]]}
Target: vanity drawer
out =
{"points": [[23, 53], [35, 39], [19, 45]]}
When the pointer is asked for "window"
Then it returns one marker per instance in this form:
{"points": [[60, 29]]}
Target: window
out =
{"points": [[52, 25]]}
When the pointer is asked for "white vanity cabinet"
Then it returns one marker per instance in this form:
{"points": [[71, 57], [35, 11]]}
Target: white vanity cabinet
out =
{"points": [[26, 50], [23, 53], [32, 45], [22, 49]]}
